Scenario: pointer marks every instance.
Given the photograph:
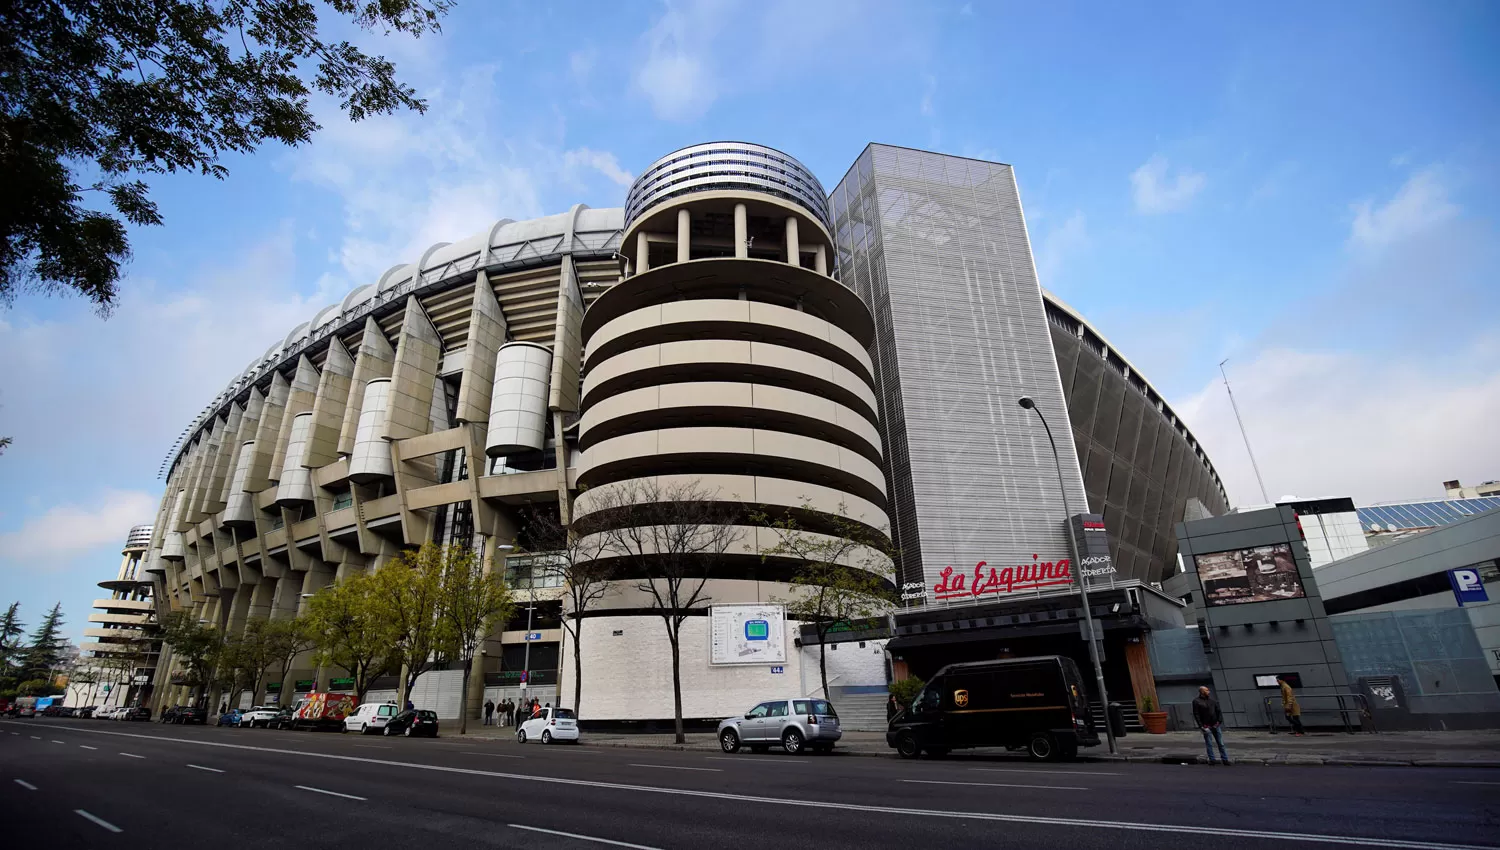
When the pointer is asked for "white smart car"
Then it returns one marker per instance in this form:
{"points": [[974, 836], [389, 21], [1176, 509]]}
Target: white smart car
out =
{"points": [[553, 724]]}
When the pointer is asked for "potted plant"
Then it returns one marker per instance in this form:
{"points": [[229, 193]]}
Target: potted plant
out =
{"points": [[1154, 721]]}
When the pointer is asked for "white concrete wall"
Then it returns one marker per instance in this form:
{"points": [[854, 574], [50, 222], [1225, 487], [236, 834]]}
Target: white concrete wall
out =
{"points": [[629, 676], [848, 666]]}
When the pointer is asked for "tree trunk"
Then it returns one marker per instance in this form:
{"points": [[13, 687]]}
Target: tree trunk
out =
{"points": [[823, 663], [463, 711], [676, 684], [578, 667]]}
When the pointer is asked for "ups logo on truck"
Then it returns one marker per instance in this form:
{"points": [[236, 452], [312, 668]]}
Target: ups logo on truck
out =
{"points": [[960, 698]]}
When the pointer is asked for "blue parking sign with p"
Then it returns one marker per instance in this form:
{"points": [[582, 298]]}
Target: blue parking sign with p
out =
{"points": [[1467, 586]]}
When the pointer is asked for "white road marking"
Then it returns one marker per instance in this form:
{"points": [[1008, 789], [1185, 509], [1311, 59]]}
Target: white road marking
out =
{"points": [[17, 734], [87, 747], [55, 741], [24, 784], [575, 835], [209, 769], [491, 755], [1028, 770], [132, 755], [330, 793], [36, 737], [992, 817], [100, 821], [676, 767], [996, 785]]}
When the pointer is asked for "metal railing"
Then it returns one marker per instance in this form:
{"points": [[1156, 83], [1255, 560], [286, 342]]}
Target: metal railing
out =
{"points": [[1346, 705]]}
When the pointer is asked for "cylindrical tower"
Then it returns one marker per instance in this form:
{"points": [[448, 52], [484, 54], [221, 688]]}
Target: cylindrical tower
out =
{"points": [[729, 362]]}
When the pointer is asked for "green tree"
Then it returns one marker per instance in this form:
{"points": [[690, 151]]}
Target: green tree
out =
{"points": [[45, 651], [288, 639], [197, 646], [405, 592], [906, 690], [843, 571], [351, 631], [471, 600], [97, 94], [11, 630]]}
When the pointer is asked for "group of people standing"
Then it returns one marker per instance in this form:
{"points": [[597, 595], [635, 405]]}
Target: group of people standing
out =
{"points": [[509, 712]]}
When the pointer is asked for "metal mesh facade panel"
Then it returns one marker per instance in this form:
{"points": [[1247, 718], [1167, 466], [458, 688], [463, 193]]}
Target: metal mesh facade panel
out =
{"points": [[937, 246]]}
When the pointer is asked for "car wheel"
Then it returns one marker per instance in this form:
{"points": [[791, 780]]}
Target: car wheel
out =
{"points": [[1041, 747], [407, 733], [520, 736], [729, 741], [906, 746], [387, 732], [792, 741], [546, 737]]}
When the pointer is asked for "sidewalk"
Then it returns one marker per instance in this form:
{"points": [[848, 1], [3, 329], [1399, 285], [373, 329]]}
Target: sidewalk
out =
{"points": [[1480, 748]]}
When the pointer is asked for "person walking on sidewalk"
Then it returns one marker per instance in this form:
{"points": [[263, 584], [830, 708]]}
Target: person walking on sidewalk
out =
{"points": [[1290, 707], [1209, 718], [892, 708], [489, 712]]}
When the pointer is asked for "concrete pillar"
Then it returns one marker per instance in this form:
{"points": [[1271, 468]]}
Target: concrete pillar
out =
{"points": [[820, 263], [684, 235], [793, 249], [642, 252], [741, 232]]}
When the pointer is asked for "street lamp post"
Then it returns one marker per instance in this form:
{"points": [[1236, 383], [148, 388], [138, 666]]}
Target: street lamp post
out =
{"points": [[1083, 589]]}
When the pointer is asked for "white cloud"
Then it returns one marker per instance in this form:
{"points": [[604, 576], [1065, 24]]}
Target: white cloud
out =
{"points": [[1058, 244], [602, 162], [1155, 192], [929, 91], [1419, 204], [677, 75], [1340, 423], [65, 530]]}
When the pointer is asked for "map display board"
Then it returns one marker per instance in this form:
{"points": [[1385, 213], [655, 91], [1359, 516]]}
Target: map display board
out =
{"points": [[753, 633]]}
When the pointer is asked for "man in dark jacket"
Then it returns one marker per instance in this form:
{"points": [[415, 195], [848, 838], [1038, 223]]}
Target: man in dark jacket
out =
{"points": [[1209, 718]]}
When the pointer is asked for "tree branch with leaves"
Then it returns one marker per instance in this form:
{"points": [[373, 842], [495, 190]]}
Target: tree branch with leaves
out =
{"points": [[471, 600], [350, 630], [405, 591], [843, 570]]}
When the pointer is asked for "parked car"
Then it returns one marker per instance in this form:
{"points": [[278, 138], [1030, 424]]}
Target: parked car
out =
{"points": [[414, 722], [191, 715], [1037, 703], [139, 712], [232, 717], [371, 717], [281, 720], [553, 724], [792, 724], [258, 716]]}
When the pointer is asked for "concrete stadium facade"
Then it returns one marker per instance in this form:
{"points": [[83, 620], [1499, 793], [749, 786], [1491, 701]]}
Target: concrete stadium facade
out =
{"points": [[709, 332]]}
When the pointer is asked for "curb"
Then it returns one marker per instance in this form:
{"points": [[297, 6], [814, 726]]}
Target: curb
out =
{"points": [[1284, 760]]}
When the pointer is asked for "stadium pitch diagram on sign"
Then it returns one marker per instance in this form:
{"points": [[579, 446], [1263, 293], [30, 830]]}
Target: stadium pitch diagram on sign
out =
{"points": [[1262, 574], [747, 634]]}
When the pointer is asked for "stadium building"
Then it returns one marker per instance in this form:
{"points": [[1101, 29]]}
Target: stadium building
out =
{"points": [[734, 332]]}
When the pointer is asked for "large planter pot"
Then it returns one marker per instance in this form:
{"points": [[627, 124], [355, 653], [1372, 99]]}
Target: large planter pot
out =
{"points": [[1155, 722]]}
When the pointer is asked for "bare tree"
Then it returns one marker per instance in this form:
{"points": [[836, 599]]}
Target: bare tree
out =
{"points": [[843, 571], [585, 578], [672, 537]]}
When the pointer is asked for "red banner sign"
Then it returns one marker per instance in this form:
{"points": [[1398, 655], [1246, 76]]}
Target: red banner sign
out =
{"points": [[1033, 576]]}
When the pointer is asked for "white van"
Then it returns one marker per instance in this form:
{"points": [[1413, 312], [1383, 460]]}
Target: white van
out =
{"points": [[370, 717]]}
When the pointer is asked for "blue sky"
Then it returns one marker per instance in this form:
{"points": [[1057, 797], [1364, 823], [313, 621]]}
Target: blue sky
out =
{"points": [[1306, 189]]}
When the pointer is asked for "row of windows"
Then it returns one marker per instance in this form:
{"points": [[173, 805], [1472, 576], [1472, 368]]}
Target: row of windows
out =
{"points": [[1424, 514]]}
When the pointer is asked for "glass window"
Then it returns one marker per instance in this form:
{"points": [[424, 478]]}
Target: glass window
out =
{"points": [[563, 713], [778, 709], [813, 706], [759, 711], [387, 710]]}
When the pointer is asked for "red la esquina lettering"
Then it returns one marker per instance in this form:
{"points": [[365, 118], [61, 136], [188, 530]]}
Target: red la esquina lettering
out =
{"points": [[1003, 580]]}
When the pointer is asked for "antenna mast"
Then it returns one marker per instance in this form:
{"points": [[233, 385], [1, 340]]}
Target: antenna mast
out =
{"points": [[1243, 433]]}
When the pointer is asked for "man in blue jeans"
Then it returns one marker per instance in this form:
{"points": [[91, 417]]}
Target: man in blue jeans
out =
{"points": [[1209, 718]]}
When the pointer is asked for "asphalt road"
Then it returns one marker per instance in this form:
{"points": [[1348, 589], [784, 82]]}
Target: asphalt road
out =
{"points": [[86, 783]]}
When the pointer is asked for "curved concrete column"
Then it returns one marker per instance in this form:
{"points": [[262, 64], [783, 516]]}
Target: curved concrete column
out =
{"points": [[518, 406], [295, 487], [371, 460]]}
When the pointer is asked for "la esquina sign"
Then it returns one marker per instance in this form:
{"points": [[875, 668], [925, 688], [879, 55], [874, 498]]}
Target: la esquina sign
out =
{"points": [[1037, 574]]}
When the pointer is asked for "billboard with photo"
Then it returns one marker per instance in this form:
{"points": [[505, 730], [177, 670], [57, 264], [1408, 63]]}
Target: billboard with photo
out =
{"points": [[1262, 574]]}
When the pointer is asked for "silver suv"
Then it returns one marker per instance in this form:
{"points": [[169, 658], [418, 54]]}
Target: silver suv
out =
{"points": [[793, 724]]}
